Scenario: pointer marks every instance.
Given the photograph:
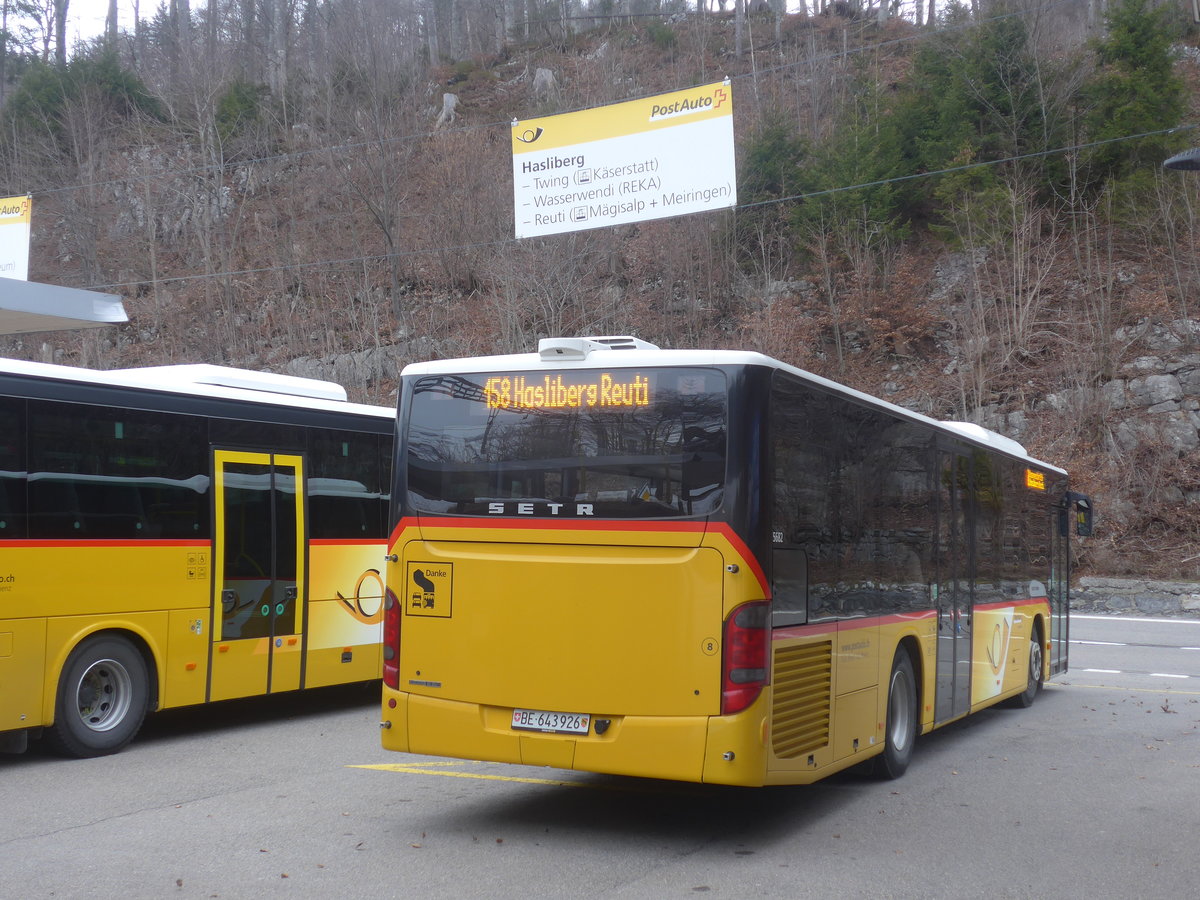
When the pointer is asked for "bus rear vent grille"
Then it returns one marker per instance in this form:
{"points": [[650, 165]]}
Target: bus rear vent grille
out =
{"points": [[800, 711]]}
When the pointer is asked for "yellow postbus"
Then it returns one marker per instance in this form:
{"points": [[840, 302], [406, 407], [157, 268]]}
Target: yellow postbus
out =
{"points": [[705, 565], [178, 535]]}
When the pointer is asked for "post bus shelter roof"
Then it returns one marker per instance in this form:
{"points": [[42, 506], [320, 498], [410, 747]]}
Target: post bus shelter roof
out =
{"points": [[27, 306]]}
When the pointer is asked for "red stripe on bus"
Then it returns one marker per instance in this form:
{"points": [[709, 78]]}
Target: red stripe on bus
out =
{"points": [[819, 628], [103, 542], [346, 542]]}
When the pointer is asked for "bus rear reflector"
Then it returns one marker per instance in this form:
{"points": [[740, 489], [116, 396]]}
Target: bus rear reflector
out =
{"points": [[391, 640], [744, 665]]}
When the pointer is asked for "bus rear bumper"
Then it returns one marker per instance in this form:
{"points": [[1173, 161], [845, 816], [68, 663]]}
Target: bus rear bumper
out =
{"points": [[668, 747]]}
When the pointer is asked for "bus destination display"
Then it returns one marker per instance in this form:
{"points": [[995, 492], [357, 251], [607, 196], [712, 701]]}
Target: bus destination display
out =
{"points": [[553, 392]]}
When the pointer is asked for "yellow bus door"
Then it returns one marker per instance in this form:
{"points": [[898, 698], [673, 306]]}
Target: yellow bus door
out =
{"points": [[258, 574]]}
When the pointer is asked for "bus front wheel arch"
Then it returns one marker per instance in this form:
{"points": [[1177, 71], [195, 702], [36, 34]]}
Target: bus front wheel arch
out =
{"points": [[902, 722], [103, 694], [1035, 674]]}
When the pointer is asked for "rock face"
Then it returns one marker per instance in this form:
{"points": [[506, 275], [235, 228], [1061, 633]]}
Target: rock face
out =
{"points": [[1157, 395], [1133, 595], [351, 370], [1152, 402]]}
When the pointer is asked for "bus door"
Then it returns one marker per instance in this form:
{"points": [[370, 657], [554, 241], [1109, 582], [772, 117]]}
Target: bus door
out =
{"points": [[258, 574], [954, 586], [1058, 588]]}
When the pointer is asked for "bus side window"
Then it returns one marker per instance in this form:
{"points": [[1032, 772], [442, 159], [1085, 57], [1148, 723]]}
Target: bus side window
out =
{"points": [[346, 483], [789, 586], [12, 469]]}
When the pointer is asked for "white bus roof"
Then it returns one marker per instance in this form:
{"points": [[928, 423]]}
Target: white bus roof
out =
{"points": [[628, 352], [202, 380]]}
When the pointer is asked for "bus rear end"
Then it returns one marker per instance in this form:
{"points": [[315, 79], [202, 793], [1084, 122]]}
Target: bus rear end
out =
{"points": [[563, 587]]}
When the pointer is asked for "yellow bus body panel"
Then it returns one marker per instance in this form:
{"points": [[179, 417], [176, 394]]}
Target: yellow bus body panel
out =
{"points": [[186, 664], [63, 591], [1000, 649], [828, 707], [603, 631], [345, 612], [623, 625], [58, 593], [22, 668]]}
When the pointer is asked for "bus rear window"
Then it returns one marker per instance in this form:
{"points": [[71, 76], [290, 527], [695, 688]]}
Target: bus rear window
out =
{"points": [[619, 443]]}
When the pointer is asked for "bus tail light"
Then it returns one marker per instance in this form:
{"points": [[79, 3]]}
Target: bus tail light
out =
{"points": [[391, 640], [744, 668]]}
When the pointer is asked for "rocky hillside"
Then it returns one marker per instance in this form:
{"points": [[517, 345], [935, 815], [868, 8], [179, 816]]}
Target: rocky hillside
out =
{"points": [[942, 216]]}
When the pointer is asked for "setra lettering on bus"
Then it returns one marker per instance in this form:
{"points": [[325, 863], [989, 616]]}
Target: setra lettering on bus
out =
{"points": [[528, 508]]}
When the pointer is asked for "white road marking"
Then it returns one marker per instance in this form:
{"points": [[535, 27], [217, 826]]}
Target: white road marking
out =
{"points": [[1136, 619], [1166, 675]]}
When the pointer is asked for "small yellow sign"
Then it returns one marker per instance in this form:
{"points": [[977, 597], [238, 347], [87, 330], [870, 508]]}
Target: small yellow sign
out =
{"points": [[429, 589], [15, 214], [1034, 480]]}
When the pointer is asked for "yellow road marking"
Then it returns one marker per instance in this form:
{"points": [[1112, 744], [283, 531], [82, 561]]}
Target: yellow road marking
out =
{"points": [[1109, 687], [626, 785], [422, 769]]}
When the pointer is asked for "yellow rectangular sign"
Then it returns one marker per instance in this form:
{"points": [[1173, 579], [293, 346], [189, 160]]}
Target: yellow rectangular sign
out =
{"points": [[1034, 480], [15, 214], [667, 155]]}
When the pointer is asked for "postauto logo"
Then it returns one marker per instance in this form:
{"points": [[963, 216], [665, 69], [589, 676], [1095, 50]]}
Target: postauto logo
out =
{"points": [[688, 105]]}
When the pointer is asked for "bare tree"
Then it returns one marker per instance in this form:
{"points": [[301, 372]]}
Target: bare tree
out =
{"points": [[60, 31]]}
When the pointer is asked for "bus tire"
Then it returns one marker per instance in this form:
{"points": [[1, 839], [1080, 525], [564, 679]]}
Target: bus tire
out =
{"points": [[102, 698], [900, 729], [1035, 675]]}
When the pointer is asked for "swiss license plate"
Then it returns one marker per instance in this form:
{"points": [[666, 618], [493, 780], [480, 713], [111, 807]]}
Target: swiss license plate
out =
{"points": [[552, 722]]}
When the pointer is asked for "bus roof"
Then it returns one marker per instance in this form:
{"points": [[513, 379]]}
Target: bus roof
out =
{"points": [[203, 380], [628, 352]]}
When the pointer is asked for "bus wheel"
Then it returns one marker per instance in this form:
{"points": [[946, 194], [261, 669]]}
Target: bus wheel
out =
{"points": [[1025, 699], [900, 734], [102, 698]]}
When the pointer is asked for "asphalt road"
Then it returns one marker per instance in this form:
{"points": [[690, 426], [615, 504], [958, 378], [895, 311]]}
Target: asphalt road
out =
{"points": [[1094, 792]]}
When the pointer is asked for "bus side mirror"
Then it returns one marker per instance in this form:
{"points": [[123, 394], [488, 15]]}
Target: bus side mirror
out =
{"points": [[1083, 513]]}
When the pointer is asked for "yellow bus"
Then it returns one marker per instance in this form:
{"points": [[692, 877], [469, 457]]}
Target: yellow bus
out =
{"points": [[707, 566], [179, 535]]}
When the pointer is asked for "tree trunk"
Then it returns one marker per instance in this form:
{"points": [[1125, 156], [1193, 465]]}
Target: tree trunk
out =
{"points": [[739, 19], [280, 26], [501, 24], [110, 24], [431, 32], [3, 46], [60, 31]]}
